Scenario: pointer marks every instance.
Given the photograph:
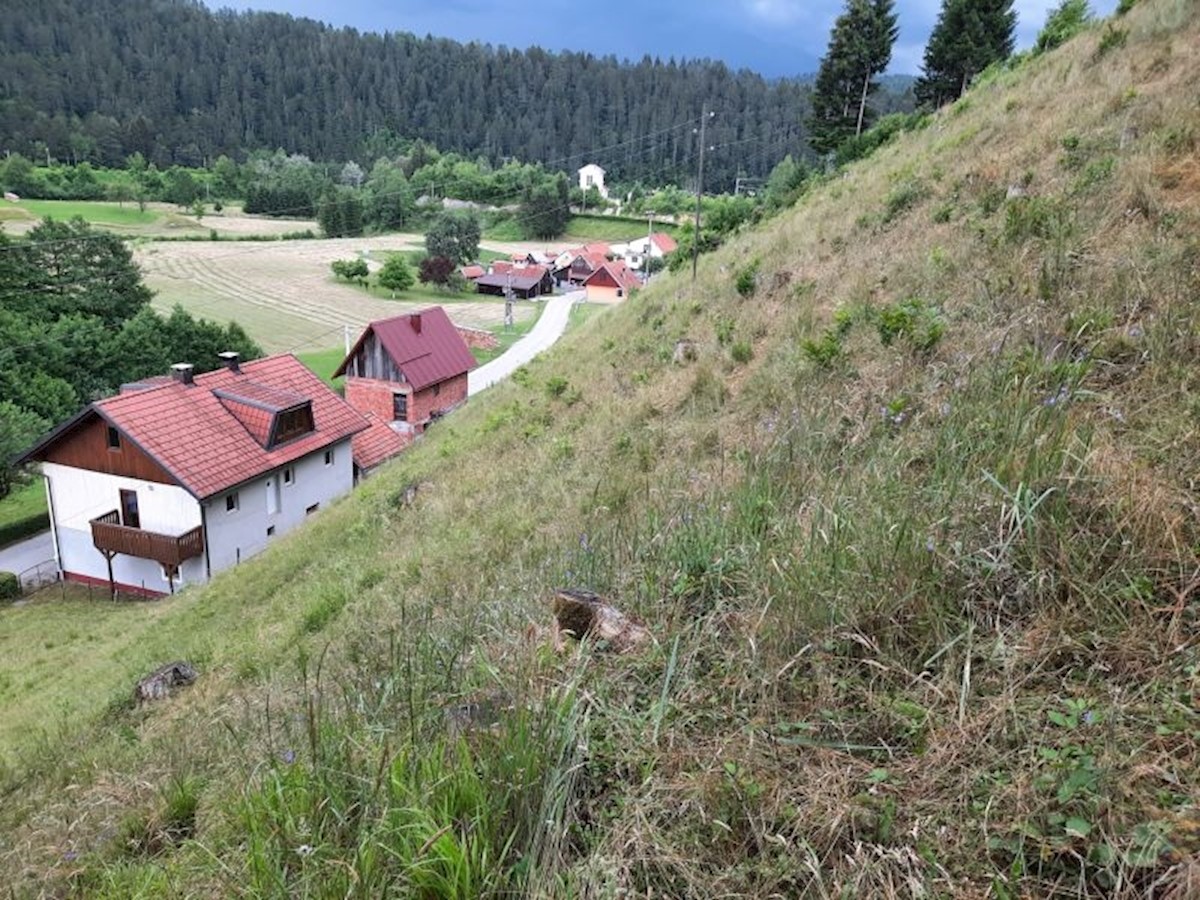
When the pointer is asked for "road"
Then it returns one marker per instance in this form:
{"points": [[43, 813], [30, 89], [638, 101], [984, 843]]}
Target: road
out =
{"points": [[545, 332], [16, 558]]}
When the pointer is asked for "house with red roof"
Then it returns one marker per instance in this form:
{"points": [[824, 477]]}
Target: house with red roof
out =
{"points": [[655, 246], [611, 283], [175, 479], [403, 373]]}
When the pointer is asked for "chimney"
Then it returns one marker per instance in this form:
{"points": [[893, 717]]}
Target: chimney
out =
{"points": [[232, 360], [415, 319], [182, 372]]}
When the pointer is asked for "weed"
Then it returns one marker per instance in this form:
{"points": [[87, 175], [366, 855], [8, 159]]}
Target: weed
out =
{"points": [[920, 324], [825, 350], [324, 610], [741, 352], [1112, 38], [902, 198]]}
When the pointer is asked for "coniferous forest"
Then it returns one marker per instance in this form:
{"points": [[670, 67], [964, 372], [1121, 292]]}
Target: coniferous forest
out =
{"points": [[180, 84]]}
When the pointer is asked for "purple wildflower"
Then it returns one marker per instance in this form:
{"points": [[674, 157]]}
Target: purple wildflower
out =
{"points": [[288, 756]]}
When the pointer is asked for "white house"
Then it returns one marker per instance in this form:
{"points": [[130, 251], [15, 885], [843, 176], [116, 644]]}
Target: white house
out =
{"points": [[592, 176], [654, 246], [175, 479]]}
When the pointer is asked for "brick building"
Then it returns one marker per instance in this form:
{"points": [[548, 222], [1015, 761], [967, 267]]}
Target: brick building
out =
{"points": [[404, 372]]}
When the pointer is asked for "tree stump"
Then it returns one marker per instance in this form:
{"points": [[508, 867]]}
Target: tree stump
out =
{"points": [[584, 614], [158, 684]]}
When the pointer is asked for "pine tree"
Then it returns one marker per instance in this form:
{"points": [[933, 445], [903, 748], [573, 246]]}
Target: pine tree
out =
{"points": [[969, 36], [860, 47]]}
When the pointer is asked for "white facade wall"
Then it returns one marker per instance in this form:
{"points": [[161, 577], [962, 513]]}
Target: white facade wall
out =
{"points": [[80, 495], [237, 535], [591, 176]]}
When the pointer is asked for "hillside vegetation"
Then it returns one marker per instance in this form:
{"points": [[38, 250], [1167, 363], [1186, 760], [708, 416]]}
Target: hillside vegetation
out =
{"points": [[915, 532]]}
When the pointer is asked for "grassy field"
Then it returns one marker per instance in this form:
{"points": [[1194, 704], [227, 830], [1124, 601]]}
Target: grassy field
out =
{"points": [[902, 489], [284, 294], [158, 220], [23, 512], [97, 213], [324, 363]]}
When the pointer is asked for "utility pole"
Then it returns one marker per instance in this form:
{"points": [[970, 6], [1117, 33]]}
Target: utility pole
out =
{"points": [[649, 244], [705, 115]]}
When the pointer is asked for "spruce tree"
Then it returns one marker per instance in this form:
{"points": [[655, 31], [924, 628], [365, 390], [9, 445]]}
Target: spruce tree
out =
{"points": [[860, 47], [969, 36]]}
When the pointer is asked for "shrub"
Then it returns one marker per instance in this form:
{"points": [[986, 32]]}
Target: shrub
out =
{"points": [[1112, 39], [915, 321], [556, 386], [825, 350], [10, 586], [1064, 22], [742, 352], [350, 269], [903, 197], [747, 279]]}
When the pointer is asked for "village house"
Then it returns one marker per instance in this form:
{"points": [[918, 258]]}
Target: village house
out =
{"points": [[655, 246], [175, 479], [401, 374], [527, 282], [611, 282], [592, 176]]}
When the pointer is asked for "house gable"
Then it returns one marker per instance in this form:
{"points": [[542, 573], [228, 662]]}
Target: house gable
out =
{"points": [[86, 445]]}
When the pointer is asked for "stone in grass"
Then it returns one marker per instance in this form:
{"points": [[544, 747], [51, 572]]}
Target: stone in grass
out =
{"points": [[685, 352], [158, 684], [584, 614]]}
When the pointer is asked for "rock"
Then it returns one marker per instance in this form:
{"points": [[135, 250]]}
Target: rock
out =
{"points": [[1014, 191], [584, 614], [158, 684], [685, 352]]}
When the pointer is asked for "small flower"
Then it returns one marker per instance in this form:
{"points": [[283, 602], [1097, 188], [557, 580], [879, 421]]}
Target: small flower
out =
{"points": [[1089, 717], [946, 409], [583, 542], [70, 856], [1135, 331], [305, 850], [288, 756], [930, 544], [1116, 414]]}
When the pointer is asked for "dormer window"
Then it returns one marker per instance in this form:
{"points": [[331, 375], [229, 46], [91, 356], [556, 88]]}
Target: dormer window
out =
{"points": [[292, 423]]}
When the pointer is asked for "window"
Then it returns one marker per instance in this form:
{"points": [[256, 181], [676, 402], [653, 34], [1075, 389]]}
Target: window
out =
{"points": [[231, 502], [129, 510], [272, 496], [329, 457], [289, 475], [312, 509], [114, 438], [400, 407], [270, 531], [437, 389], [292, 423]]}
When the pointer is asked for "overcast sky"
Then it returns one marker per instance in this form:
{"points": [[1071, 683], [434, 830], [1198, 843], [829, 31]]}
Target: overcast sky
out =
{"points": [[774, 37]]}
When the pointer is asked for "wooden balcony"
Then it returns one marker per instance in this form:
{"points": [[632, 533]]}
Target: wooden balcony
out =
{"points": [[110, 536]]}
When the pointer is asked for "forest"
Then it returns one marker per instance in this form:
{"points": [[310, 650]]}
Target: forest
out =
{"points": [[181, 85]]}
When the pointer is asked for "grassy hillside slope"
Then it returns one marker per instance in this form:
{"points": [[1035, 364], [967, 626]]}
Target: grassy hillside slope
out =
{"points": [[915, 532]]}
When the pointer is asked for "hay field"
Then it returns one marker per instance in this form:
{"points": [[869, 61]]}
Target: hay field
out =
{"points": [[283, 293]]}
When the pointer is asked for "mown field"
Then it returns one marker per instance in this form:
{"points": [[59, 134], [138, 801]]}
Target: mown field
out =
{"points": [[283, 293], [158, 220]]}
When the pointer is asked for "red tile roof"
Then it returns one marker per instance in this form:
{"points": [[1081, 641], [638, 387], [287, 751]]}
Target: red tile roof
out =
{"points": [[425, 346], [377, 444], [191, 432], [472, 272], [501, 266], [596, 248], [664, 242]]}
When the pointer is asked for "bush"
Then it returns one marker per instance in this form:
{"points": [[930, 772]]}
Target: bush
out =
{"points": [[10, 586], [742, 352], [1064, 22], [351, 269], [825, 350], [914, 320], [747, 279]]}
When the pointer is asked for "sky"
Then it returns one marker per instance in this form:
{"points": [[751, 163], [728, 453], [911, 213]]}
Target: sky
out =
{"points": [[777, 38]]}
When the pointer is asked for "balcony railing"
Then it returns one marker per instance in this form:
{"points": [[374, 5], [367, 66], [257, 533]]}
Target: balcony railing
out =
{"points": [[110, 536]]}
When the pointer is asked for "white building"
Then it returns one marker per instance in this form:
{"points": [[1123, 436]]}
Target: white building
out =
{"points": [[175, 479], [592, 176]]}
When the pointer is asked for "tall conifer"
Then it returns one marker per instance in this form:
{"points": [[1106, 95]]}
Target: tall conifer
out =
{"points": [[969, 36], [860, 47]]}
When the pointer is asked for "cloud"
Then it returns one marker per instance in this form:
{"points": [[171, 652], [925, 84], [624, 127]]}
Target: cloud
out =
{"points": [[776, 12]]}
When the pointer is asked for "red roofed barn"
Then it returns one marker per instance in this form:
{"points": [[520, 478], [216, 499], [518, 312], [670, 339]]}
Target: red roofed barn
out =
{"points": [[403, 373], [175, 479], [610, 283]]}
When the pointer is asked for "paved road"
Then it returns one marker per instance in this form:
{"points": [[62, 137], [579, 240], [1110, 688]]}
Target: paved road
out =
{"points": [[549, 328], [18, 557]]}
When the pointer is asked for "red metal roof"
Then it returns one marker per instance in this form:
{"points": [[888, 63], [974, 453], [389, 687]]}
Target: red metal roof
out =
{"points": [[425, 346], [377, 444], [192, 433]]}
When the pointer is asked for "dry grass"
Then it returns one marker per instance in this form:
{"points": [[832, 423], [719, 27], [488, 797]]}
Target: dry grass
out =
{"points": [[923, 615]]}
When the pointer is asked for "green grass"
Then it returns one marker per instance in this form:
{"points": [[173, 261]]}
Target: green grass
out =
{"points": [[526, 314], [97, 213], [611, 228], [23, 512], [324, 362]]}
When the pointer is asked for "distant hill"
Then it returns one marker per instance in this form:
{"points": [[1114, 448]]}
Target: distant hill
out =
{"points": [[179, 84]]}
